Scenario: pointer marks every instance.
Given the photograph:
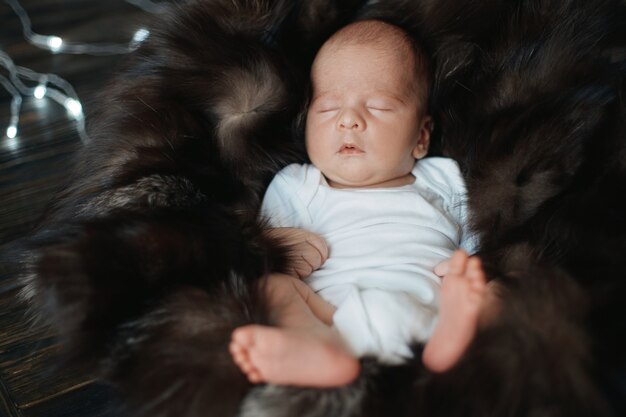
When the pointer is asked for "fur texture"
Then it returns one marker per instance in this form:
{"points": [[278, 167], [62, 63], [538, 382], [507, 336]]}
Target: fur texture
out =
{"points": [[148, 260]]}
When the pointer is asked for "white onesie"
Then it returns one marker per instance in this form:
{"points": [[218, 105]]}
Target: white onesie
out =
{"points": [[383, 243]]}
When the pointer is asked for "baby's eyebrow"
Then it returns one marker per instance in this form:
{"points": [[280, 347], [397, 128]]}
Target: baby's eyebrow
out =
{"points": [[388, 96], [403, 99], [323, 95]]}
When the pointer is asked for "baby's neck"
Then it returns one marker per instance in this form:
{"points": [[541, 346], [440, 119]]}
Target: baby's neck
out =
{"points": [[394, 182]]}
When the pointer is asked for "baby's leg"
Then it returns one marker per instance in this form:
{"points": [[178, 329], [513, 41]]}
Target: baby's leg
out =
{"points": [[303, 350], [462, 297]]}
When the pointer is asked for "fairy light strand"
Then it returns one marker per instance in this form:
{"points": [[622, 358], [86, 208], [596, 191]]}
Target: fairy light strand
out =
{"points": [[16, 103], [50, 85], [56, 44]]}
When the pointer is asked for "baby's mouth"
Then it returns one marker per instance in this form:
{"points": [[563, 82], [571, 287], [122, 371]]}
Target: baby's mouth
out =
{"points": [[350, 149]]}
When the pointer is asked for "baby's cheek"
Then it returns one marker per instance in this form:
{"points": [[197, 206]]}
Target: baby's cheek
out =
{"points": [[316, 156]]}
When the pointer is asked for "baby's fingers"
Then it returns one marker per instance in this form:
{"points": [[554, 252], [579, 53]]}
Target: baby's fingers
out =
{"points": [[302, 268], [319, 244]]}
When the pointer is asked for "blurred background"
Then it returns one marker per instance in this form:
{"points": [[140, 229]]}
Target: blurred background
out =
{"points": [[55, 55]]}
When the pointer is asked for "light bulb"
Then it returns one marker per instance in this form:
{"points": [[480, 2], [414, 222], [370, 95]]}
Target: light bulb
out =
{"points": [[141, 35], [40, 92], [12, 132], [54, 43], [74, 107]]}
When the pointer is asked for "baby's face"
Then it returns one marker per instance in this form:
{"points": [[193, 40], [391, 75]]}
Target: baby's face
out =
{"points": [[364, 126]]}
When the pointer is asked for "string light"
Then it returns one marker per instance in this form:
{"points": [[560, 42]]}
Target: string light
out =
{"points": [[73, 107], [16, 103], [40, 91], [139, 37], [56, 44], [50, 85]]}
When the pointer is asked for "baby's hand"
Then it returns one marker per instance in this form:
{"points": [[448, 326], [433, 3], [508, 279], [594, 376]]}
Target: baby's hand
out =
{"points": [[307, 251]]}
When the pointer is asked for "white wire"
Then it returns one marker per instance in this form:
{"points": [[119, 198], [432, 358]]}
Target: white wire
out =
{"points": [[16, 104], [51, 85], [57, 89], [57, 44]]}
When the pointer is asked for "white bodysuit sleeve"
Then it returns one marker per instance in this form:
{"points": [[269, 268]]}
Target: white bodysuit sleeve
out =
{"points": [[281, 205], [445, 175], [468, 240]]}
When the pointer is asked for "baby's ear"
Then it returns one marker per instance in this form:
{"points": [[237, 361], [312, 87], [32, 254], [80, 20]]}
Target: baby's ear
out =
{"points": [[423, 142]]}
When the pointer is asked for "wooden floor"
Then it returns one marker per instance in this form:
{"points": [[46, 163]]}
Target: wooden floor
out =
{"points": [[32, 168]]}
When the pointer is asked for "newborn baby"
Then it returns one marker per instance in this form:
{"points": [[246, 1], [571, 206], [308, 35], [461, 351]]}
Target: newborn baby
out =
{"points": [[387, 217]]}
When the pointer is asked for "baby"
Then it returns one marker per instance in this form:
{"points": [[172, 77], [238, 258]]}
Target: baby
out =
{"points": [[387, 219]]}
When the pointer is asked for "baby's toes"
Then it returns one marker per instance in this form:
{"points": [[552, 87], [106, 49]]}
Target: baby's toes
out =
{"points": [[475, 269], [254, 376], [242, 360], [236, 352], [442, 268], [244, 336], [248, 368], [458, 263], [239, 353], [476, 275]]}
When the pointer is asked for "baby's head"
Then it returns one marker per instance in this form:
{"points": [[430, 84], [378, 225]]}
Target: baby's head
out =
{"points": [[367, 122]]}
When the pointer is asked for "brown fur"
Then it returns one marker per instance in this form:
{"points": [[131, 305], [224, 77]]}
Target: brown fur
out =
{"points": [[149, 259]]}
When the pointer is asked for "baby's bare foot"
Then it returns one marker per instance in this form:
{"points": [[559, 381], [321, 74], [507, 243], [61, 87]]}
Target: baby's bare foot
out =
{"points": [[239, 353], [461, 299], [288, 356]]}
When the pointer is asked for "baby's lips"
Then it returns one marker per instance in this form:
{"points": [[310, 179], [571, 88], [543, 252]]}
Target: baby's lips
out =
{"points": [[350, 148]]}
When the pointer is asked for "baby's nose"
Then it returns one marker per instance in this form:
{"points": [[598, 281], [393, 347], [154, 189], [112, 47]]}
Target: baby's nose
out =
{"points": [[350, 119]]}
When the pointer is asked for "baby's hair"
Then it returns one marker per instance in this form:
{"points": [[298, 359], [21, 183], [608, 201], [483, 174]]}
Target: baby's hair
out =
{"points": [[392, 39]]}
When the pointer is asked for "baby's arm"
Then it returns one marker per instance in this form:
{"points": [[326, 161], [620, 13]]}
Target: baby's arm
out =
{"points": [[307, 251]]}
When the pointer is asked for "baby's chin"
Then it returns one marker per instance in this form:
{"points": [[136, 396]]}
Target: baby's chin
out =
{"points": [[351, 181], [345, 175], [366, 179]]}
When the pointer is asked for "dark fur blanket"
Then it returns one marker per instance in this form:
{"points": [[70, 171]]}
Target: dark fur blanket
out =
{"points": [[145, 263]]}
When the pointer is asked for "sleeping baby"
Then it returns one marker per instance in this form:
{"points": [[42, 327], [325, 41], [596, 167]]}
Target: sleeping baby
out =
{"points": [[374, 225]]}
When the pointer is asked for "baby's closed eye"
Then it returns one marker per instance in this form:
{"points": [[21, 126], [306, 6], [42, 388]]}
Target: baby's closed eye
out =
{"points": [[325, 105], [380, 105], [327, 109]]}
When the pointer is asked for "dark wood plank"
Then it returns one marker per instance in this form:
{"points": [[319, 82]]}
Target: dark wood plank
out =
{"points": [[32, 173], [7, 406], [91, 400], [30, 357]]}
